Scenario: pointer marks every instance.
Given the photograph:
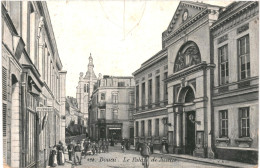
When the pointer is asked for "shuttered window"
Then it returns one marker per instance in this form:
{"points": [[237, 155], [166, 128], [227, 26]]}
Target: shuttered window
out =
{"points": [[4, 119], [4, 83], [4, 132]]}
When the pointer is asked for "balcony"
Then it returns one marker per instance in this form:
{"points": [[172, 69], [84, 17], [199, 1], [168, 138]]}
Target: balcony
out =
{"points": [[102, 104]]}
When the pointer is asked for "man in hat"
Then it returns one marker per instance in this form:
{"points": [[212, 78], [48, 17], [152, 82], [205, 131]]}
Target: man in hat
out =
{"points": [[77, 155], [70, 150]]}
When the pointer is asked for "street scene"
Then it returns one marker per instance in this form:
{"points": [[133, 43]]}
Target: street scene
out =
{"points": [[124, 84]]}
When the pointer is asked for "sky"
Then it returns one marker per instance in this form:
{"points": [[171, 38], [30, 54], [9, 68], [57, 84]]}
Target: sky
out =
{"points": [[119, 35]]}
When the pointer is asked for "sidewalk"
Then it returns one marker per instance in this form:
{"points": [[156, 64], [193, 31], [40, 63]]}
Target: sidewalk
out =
{"points": [[219, 162]]}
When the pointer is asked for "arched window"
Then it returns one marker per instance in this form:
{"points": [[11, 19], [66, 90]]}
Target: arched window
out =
{"points": [[188, 55], [189, 97], [85, 88], [88, 88]]}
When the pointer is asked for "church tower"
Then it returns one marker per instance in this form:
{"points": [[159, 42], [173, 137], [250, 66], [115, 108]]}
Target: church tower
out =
{"points": [[85, 88]]}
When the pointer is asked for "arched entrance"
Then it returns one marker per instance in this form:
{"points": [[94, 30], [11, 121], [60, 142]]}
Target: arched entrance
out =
{"points": [[186, 98]]}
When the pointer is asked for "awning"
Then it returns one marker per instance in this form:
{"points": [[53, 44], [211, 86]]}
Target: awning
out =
{"points": [[114, 128]]}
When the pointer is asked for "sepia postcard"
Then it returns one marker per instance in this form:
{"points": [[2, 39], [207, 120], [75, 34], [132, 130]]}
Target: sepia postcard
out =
{"points": [[129, 83]]}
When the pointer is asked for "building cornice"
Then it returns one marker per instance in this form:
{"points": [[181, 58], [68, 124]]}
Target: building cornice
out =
{"points": [[8, 20], [49, 30], [219, 23], [168, 35], [154, 60], [188, 71]]}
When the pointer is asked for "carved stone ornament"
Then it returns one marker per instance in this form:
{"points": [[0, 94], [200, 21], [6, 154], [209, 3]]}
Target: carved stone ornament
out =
{"points": [[188, 55]]}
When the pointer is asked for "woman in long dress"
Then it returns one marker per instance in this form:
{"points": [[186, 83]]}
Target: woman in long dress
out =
{"points": [[60, 154], [52, 159], [164, 147]]}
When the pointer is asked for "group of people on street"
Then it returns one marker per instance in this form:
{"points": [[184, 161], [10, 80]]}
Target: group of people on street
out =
{"points": [[86, 147], [57, 155], [125, 144]]}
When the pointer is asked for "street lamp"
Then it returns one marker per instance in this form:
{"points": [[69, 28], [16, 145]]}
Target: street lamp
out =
{"points": [[192, 119], [165, 122]]}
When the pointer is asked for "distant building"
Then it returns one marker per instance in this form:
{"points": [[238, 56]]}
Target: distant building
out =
{"points": [[33, 85], [212, 56], [85, 88], [75, 122], [111, 108]]}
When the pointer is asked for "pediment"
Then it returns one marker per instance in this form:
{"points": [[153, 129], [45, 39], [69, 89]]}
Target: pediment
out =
{"points": [[184, 12]]}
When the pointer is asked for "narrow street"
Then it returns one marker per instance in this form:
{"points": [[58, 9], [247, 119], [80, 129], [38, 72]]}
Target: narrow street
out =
{"points": [[131, 159]]}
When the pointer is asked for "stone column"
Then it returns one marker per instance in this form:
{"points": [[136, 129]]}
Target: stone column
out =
{"points": [[178, 130], [15, 126], [178, 112], [62, 103]]}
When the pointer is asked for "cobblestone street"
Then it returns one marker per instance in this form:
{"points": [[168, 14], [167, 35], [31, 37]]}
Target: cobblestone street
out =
{"points": [[131, 159]]}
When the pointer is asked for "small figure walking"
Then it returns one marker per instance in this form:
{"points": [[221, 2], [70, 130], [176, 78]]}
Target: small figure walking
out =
{"points": [[77, 156]]}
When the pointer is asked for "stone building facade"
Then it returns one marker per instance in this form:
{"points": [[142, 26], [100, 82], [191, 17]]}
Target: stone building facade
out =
{"points": [[33, 92], [111, 108], [212, 81], [151, 94], [85, 88], [236, 81], [75, 123]]}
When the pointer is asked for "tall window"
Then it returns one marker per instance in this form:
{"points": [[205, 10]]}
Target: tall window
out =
{"points": [[150, 93], [85, 88], [131, 98], [143, 95], [223, 122], [157, 127], [115, 114], [103, 96], [244, 122], [223, 64], [32, 33], [137, 97], [121, 84], [142, 128], [102, 114], [136, 129], [149, 127], [244, 57], [165, 87], [165, 128], [115, 98], [157, 90]]}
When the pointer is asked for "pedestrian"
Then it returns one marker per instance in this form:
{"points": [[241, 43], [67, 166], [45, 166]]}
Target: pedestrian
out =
{"points": [[123, 145], [60, 154], [150, 144], [70, 150], [127, 145], [112, 142], [88, 148], [53, 157], [107, 145], [93, 146], [163, 149], [103, 145], [145, 153], [167, 146], [82, 146], [99, 144], [77, 156]]}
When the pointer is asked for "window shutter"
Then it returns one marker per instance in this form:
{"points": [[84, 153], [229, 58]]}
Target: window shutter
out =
{"points": [[4, 132], [4, 83]]}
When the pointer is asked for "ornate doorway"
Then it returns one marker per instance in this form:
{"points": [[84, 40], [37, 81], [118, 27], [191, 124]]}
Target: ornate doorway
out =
{"points": [[190, 132]]}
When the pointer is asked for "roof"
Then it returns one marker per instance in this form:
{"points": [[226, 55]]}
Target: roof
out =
{"points": [[72, 102]]}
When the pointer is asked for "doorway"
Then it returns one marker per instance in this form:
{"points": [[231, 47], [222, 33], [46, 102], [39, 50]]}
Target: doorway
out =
{"points": [[190, 132]]}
